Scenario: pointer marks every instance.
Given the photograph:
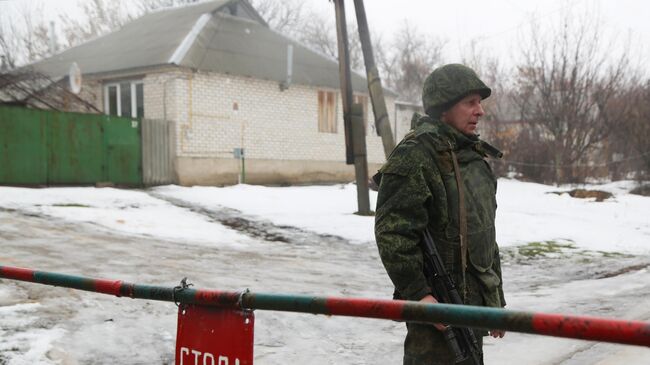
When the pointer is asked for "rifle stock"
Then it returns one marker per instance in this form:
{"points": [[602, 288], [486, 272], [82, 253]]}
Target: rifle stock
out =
{"points": [[461, 341]]}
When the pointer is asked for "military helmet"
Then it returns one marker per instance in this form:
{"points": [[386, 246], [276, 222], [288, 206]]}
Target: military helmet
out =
{"points": [[447, 84]]}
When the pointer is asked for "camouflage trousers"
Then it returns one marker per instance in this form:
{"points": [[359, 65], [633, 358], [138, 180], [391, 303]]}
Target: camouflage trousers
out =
{"points": [[425, 345]]}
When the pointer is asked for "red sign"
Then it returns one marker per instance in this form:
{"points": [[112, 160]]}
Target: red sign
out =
{"points": [[214, 336]]}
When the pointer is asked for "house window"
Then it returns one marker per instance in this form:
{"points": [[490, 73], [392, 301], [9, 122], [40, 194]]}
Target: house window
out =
{"points": [[327, 111], [124, 99], [363, 100]]}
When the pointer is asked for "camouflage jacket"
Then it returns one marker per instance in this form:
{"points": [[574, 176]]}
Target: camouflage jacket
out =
{"points": [[418, 188]]}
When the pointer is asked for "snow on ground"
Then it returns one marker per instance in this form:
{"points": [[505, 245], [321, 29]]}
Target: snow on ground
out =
{"points": [[527, 212], [36, 342], [532, 212], [322, 209], [160, 235], [127, 211]]}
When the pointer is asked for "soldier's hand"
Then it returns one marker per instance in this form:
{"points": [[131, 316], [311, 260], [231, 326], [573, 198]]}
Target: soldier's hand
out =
{"points": [[430, 299], [497, 333]]}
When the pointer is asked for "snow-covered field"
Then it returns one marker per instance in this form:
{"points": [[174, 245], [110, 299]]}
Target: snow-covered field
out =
{"points": [[561, 254]]}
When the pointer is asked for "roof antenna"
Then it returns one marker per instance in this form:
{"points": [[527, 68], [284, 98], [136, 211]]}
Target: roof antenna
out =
{"points": [[284, 85]]}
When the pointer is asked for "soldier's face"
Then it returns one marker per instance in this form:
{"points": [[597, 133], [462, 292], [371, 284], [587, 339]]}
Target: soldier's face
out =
{"points": [[464, 115]]}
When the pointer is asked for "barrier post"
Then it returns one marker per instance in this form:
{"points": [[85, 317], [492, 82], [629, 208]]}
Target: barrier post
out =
{"points": [[558, 325]]}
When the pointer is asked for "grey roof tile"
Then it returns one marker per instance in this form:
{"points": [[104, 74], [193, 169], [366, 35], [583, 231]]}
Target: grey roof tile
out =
{"points": [[225, 44]]}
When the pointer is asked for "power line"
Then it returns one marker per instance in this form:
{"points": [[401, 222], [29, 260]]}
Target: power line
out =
{"points": [[606, 164]]}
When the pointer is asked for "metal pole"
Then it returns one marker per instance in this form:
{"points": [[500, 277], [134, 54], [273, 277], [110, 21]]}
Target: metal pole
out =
{"points": [[354, 154], [557, 325], [382, 122]]}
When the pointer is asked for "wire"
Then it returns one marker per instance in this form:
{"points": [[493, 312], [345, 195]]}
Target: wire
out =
{"points": [[571, 165]]}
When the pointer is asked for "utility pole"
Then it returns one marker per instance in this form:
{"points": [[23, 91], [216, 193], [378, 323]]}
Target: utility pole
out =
{"points": [[374, 82], [344, 76], [355, 143]]}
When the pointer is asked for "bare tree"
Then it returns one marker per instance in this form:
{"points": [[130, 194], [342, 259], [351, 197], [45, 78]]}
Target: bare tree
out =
{"points": [[411, 58], [286, 16], [147, 6], [319, 33], [9, 46], [630, 140], [24, 35], [104, 16], [100, 17], [564, 82]]}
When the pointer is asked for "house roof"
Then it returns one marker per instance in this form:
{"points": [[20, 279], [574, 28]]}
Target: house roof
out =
{"points": [[225, 36]]}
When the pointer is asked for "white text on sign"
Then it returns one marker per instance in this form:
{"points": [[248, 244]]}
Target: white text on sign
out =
{"points": [[204, 358]]}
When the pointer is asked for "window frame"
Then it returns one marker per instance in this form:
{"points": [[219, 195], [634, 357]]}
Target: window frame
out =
{"points": [[118, 97], [327, 108]]}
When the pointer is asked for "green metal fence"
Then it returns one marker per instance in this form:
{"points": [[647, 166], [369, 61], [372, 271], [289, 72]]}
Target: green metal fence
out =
{"points": [[41, 147]]}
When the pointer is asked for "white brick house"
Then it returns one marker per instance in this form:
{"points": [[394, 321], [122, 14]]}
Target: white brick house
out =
{"points": [[214, 71]]}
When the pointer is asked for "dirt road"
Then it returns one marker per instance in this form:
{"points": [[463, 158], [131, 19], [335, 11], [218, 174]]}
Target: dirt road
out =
{"points": [[47, 325]]}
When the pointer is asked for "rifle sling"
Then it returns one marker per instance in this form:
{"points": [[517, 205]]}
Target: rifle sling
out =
{"points": [[462, 219]]}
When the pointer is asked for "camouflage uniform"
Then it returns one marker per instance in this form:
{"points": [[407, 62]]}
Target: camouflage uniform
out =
{"points": [[418, 188]]}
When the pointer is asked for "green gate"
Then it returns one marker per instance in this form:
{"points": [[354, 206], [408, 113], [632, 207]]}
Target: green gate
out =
{"points": [[41, 147]]}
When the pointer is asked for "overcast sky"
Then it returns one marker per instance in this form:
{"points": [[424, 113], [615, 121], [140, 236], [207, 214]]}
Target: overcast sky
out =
{"points": [[499, 24], [495, 25]]}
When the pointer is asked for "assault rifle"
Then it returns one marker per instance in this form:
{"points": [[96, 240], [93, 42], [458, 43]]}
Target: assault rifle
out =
{"points": [[461, 341]]}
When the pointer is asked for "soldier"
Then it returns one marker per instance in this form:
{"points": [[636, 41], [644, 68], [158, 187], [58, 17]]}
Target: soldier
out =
{"points": [[437, 177]]}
